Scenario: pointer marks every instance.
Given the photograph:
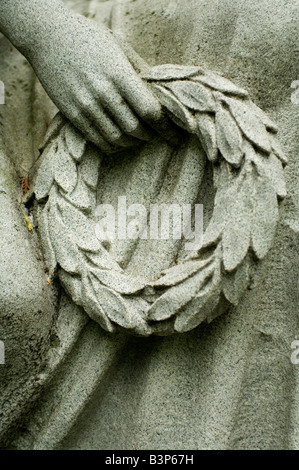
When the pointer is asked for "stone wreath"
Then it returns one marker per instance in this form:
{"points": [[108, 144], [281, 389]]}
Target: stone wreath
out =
{"points": [[239, 140]]}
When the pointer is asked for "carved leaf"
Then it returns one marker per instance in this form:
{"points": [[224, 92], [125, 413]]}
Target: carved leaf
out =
{"points": [[224, 200], [270, 125], [236, 235], [164, 328], [92, 306], [80, 226], [54, 129], [138, 307], [179, 273], [65, 249], [277, 150], [45, 177], [198, 309], [75, 142], [72, 285], [265, 217], [103, 260], [274, 171], [250, 124], [89, 168], [219, 83], [119, 282], [222, 306], [171, 72], [235, 283], [215, 228], [229, 138], [270, 168], [176, 297], [206, 132], [80, 197], [223, 176], [193, 95], [179, 113], [114, 306], [64, 169], [49, 253]]}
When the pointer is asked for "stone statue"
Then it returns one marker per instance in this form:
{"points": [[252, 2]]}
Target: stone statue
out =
{"points": [[161, 104]]}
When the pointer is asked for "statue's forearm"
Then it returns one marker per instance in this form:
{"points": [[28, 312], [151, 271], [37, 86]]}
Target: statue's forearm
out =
{"points": [[30, 23]]}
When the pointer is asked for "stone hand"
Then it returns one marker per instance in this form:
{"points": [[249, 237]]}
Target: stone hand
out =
{"points": [[91, 81], [85, 73]]}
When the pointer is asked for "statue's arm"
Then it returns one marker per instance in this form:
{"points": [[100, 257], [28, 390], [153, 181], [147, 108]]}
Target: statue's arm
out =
{"points": [[83, 70], [23, 21]]}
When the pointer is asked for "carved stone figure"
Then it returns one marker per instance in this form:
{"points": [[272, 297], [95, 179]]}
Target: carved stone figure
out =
{"points": [[139, 343]]}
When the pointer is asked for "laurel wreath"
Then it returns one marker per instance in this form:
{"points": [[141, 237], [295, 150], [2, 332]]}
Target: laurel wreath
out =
{"points": [[239, 140]]}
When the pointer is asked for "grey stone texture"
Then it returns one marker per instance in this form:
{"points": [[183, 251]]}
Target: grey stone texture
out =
{"points": [[67, 383]]}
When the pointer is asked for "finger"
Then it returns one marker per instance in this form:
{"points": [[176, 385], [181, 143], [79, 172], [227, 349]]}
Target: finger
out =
{"points": [[119, 110], [101, 121], [111, 144], [94, 112], [86, 127], [96, 138], [149, 109], [140, 99], [116, 107]]}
